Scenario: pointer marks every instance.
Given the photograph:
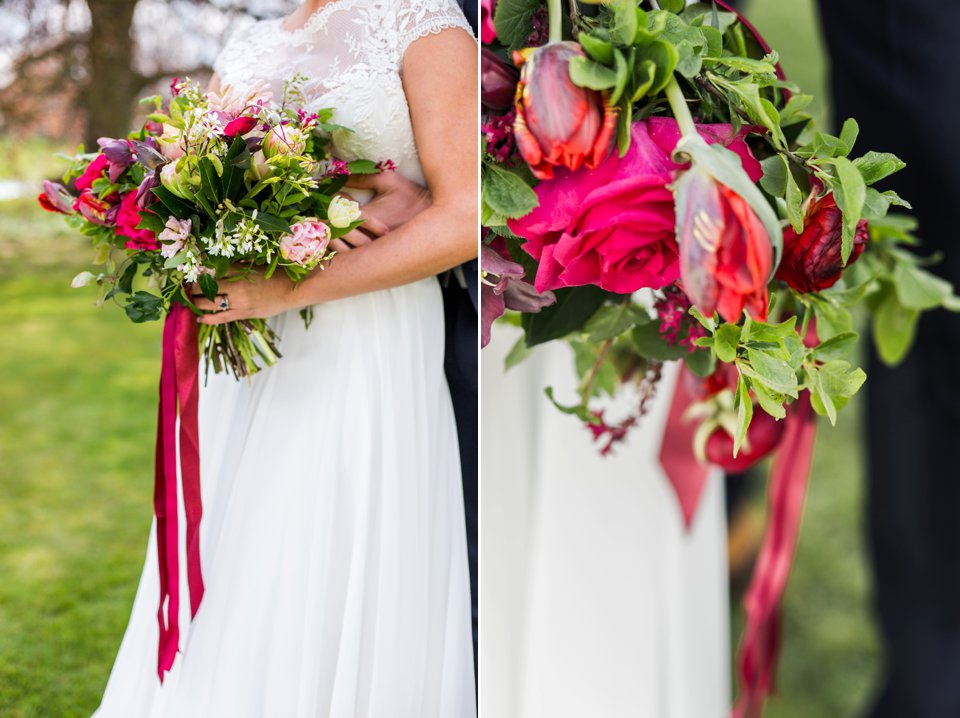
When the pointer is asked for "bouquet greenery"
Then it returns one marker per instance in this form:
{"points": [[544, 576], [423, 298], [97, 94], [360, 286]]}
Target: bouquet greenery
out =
{"points": [[214, 186]]}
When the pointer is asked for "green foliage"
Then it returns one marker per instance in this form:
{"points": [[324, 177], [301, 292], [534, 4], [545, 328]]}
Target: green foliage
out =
{"points": [[512, 21], [573, 308], [505, 195]]}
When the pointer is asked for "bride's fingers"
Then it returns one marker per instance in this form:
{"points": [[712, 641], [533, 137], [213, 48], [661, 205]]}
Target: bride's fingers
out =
{"points": [[356, 238], [339, 246], [230, 315], [204, 304], [371, 181], [372, 225]]}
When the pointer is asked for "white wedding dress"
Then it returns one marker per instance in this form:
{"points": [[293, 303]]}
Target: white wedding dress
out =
{"points": [[596, 601], [333, 542]]}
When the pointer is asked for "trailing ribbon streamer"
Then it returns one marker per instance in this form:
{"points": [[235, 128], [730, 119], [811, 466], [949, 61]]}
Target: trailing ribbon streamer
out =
{"points": [[760, 646], [179, 389], [687, 475]]}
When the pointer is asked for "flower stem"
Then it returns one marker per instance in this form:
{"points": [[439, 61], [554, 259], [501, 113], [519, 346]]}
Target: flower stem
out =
{"points": [[555, 27], [678, 103]]}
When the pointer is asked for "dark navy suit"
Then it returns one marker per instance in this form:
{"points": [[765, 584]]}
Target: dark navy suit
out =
{"points": [[894, 69], [461, 366]]}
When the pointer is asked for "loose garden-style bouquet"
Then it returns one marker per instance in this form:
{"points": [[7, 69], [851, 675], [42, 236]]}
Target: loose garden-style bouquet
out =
{"points": [[214, 186], [662, 149], [632, 145]]}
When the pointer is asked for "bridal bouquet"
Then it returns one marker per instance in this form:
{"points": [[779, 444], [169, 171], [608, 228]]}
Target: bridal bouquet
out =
{"points": [[213, 187], [662, 149], [654, 190]]}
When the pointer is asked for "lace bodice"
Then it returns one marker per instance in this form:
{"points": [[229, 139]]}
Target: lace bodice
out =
{"points": [[351, 53]]}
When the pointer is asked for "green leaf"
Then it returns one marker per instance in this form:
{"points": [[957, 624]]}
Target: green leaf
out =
{"points": [[850, 192], [838, 346], [651, 344], [622, 76], [769, 401], [517, 354], [506, 193], [746, 65], [701, 362], [600, 50], [772, 371], [625, 24], [919, 289], [144, 307], [612, 321], [587, 73], [674, 6], [574, 306], [726, 341], [744, 407], [272, 223], [363, 167], [512, 21], [875, 166], [580, 410], [624, 125], [664, 58], [209, 286], [894, 327], [849, 133], [775, 171]]}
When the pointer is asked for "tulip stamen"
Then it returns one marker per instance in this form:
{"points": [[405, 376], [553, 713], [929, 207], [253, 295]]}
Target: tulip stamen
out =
{"points": [[706, 231]]}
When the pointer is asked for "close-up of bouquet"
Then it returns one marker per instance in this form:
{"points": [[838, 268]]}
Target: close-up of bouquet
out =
{"points": [[654, 190], [214, 186]]}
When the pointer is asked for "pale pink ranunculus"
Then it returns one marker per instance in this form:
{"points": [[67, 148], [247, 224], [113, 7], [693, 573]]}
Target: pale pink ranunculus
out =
{"points": [[307, 242], [614, 226], [174, 235]]}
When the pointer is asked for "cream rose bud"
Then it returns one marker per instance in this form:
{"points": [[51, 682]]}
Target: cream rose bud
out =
{"points": [[342, 212], [174, 181], [258, 165]]}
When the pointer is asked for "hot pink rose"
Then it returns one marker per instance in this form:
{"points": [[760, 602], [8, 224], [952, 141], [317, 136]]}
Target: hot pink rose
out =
{"points": [[127, 220], [614, 226], [307, 242], [93, 172]]}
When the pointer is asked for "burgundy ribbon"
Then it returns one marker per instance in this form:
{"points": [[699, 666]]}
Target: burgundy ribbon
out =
{"points": [[179, 388], [687, 475], [760, 645]]}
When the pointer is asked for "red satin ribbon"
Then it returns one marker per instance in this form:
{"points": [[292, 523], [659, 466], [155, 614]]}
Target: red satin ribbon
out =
{"points": [[687, 475], [179, 387], [760, 646]]}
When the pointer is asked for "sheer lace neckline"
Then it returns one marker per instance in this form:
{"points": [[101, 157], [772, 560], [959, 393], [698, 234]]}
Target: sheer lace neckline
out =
{"points": [[315, 19]]}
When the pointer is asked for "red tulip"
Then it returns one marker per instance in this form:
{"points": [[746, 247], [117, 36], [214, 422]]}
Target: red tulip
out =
{"points": [[558, 123], [725, 252], [55, 198], [94, 209], [811, 260], [763, 435], [498, 82]]}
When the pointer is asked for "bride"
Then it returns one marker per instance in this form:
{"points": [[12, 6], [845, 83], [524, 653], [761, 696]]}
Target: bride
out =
{"points": [[333, 543], [597, 600]]}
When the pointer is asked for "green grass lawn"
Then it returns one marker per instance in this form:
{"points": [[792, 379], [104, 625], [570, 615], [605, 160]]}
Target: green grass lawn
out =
{"points": [[78, 401]]}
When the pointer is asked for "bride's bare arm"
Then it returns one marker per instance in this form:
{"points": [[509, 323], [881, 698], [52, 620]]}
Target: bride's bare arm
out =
{"points": [[440, 81]]}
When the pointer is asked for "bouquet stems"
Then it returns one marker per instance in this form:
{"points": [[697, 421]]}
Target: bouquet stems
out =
{"points": [[241, 348]]}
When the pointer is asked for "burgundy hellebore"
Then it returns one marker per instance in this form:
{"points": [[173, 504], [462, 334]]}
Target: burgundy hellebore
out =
{"points": [[811, 260], [498, 82], [558, 123], [725, 251], [502, 287]]}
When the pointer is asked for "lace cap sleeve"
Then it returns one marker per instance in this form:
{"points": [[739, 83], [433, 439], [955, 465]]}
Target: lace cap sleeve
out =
{"points": [[418, 18]]}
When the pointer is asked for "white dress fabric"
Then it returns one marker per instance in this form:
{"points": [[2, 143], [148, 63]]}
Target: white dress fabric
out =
{"points": [[333, 543], [596, 601]]}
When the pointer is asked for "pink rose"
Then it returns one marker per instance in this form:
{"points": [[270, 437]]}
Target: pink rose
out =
{"points": [[240, 126], [93, 172], [306, 244], [488, 33], [127, 220], [614, 226]]}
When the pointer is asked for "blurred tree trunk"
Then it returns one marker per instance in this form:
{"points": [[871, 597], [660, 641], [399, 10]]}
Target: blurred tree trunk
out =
{"points": [[113, 83]]}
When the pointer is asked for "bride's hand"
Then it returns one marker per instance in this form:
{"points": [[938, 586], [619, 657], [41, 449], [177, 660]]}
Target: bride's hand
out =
{"points": [[396, 201], [247, 297]]}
